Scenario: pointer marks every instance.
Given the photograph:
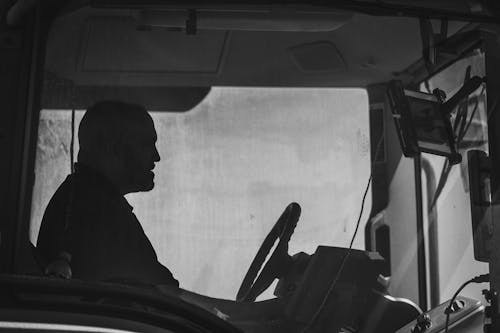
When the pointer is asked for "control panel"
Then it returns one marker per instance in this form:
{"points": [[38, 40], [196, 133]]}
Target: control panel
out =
{"points": [[466, 316]]}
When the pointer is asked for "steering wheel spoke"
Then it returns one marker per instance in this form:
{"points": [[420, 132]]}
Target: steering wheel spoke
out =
{"points": [[279, 262]]}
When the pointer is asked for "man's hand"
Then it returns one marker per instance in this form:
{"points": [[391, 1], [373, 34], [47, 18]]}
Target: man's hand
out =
{"points": [[60, 267]]}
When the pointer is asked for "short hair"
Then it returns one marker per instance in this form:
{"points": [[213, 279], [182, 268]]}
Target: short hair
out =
{"points": [[107, 121]]}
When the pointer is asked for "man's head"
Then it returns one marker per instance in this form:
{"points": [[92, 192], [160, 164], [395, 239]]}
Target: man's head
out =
{"points": [[118, 140]]}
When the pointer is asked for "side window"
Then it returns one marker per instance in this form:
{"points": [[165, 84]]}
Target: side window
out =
{"points": [[446, 188]]}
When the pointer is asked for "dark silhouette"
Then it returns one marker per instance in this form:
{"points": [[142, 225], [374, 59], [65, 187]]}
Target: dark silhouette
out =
{"points": [[88, 222], [89, 231]]}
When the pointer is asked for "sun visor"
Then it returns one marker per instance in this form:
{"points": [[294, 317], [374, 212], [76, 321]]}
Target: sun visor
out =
{"points": [[57, 96]]}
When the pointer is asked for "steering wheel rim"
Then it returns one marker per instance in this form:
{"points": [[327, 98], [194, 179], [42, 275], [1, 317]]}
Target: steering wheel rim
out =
{"points": [[253, 285]]}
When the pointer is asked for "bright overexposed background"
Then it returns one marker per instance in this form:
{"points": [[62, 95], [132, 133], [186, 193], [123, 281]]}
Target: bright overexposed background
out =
{"points": [[229, 167]]}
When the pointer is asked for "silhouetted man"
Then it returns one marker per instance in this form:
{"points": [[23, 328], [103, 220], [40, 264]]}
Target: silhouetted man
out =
{"points": [[88, 221]]}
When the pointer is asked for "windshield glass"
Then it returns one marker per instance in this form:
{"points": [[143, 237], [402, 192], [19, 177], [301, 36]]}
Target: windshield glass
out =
{"points": [[228, 169]]}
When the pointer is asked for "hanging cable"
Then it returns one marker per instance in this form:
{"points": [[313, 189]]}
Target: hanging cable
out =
{"points": [[478, 279], [72, 143], [342, 264], [344, 259], [461, 126], [473, 113], [69, 206]]}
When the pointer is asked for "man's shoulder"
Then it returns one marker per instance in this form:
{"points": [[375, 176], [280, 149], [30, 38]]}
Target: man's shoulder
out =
{"points": [[78, 197], [75, 190]]}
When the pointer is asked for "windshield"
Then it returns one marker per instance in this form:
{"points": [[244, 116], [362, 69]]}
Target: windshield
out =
{"points": [[228, 169]]}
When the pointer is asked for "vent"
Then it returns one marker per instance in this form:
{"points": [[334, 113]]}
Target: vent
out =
{"points": [[321, 56]]}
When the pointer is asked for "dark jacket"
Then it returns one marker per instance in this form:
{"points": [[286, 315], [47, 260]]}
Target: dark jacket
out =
{"points": [[88, 218]]}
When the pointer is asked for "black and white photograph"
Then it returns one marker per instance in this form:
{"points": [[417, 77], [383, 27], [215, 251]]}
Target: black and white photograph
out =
{"points": [[250, 166]]}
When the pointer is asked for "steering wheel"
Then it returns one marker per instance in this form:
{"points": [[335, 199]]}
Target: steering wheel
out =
{"points": [[279, 262]]}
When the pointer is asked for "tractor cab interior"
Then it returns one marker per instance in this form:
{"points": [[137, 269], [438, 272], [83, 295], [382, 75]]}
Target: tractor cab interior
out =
{"points": [[324, 167]]}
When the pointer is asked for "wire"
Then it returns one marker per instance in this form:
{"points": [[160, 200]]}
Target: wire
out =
{"points": [[72, 144], [473, 113], [344, 260], [69, 207], [478, 279], [463, 124], [445, 171], [360, 212]]}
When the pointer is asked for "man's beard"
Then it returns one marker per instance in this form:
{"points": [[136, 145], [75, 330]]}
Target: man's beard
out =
{"points": [[143, 182]]}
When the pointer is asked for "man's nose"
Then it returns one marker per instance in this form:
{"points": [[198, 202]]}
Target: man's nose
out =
{"points": [[156, 155]]}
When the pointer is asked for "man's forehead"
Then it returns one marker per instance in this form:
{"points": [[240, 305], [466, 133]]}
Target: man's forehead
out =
{"points": [[144, 127]]}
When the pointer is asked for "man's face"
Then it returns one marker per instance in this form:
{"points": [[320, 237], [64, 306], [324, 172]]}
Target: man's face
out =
{"points": [[139, 156]]}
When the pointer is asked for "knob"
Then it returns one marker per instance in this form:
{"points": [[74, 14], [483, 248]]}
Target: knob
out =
{"points": [[457, 305], [423, 323]]}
